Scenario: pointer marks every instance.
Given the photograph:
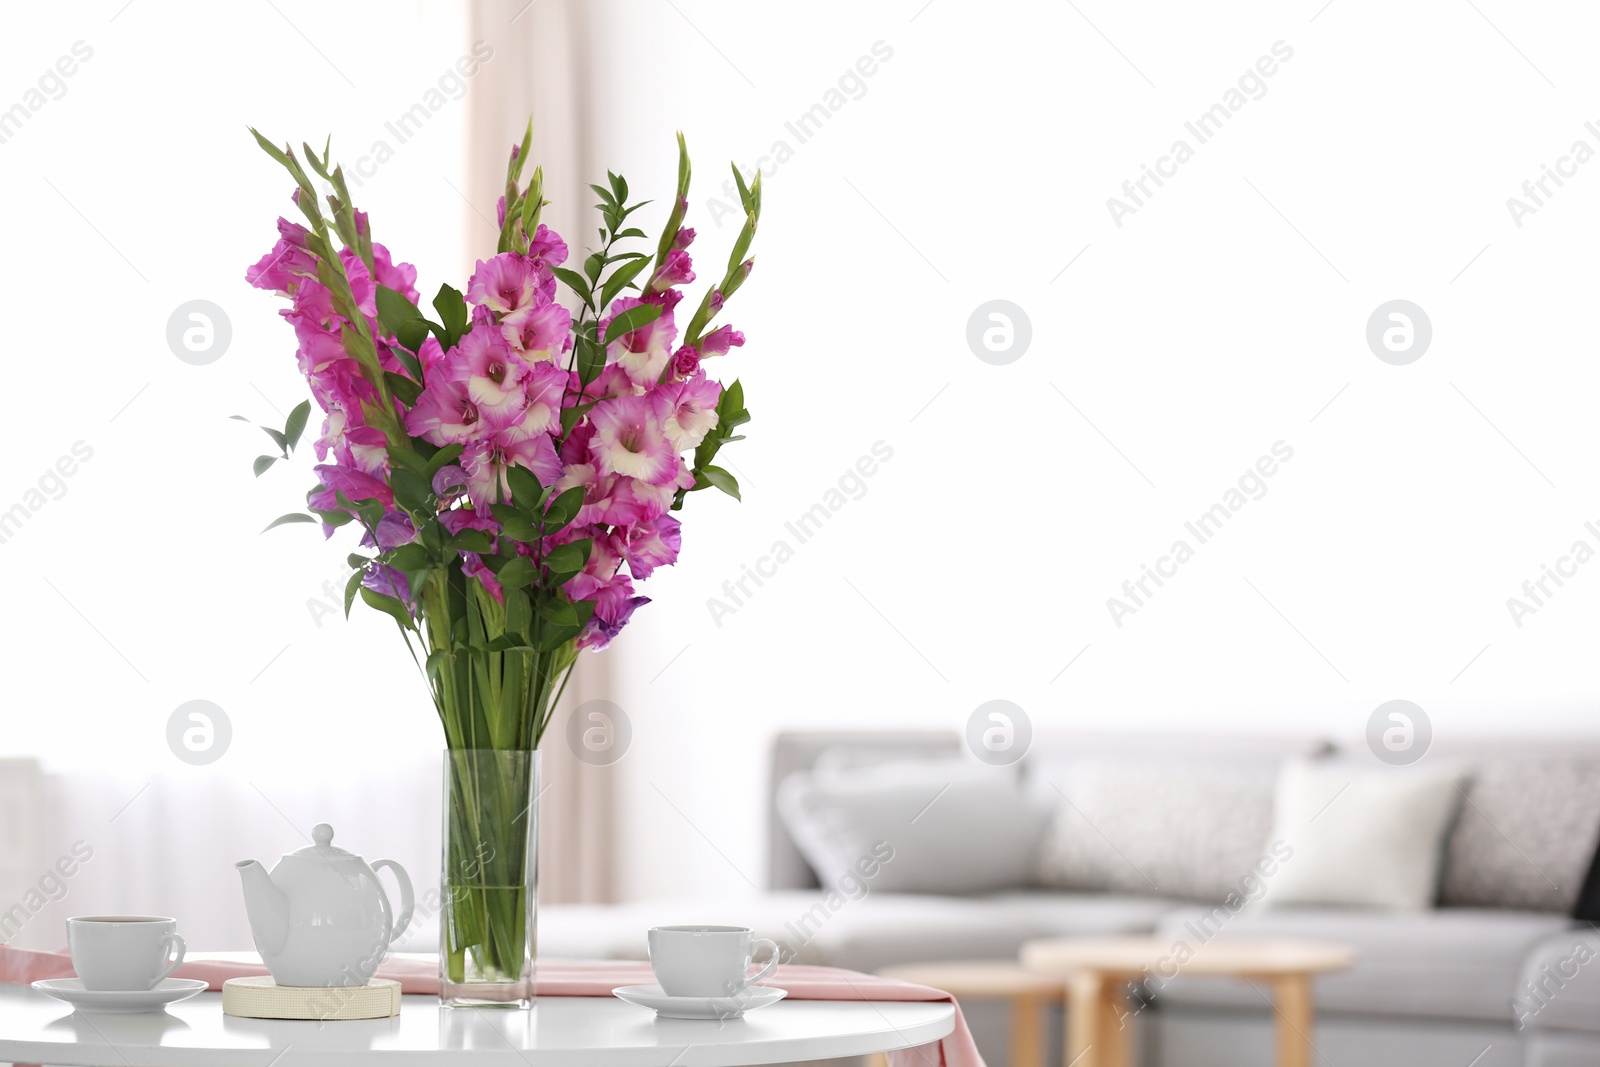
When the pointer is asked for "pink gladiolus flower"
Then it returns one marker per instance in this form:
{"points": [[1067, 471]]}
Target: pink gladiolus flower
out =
{"points": [[614, 606], [629, 440], [691, 411], [283, 269], [450, 484], [505, 284], [457, 519], [718, 341], [487, 461], [547, 249], [355, 485], [653, 544], [445, 414], [685, 237], [543, 388], [644, 352], [401, 277], [604, 559], [676, 269], [363, 447], [389, 582], [484, 363], [686, 361], [539, 333]]}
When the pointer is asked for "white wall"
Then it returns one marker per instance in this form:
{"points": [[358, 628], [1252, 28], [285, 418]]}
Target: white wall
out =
{"points": [[1194, 337], [978, 563]]}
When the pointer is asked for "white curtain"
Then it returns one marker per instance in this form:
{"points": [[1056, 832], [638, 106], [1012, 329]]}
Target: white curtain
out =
{"points": [[541, 67]]}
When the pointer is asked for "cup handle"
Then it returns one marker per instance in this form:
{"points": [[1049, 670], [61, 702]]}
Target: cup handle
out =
{"points": [[771, 963], [172, 940], [407, 902]]}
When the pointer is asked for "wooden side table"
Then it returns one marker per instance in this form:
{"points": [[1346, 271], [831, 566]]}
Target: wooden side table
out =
{"points": [[1028, 992], [1098, 971]]}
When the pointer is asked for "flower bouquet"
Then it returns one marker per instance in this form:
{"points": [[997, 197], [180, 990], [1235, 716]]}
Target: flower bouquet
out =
{"points": [[514, 465]]}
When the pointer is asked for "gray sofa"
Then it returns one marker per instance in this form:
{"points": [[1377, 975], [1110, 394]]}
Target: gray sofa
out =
{"points": [[1451, 986]]}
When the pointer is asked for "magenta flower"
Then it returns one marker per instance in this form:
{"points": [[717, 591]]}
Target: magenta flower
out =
{"points": [[614, 606], [389, 582], [484, 363], [539, 333], [487, 460], [691, 411], [286, 267], [718, 341], [445, 414], [541, 413], [509, 285], [648, 545], [629, 440], [644, 352], [676, 269], [472, 566]]}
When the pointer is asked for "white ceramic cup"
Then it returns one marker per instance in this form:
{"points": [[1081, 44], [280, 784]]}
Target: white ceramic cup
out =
{"points": [[124, 952], [707, 961]]}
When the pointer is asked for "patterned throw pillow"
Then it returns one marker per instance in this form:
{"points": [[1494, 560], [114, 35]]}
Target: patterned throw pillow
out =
{"points": [[1526, 834], [1158, 828]]}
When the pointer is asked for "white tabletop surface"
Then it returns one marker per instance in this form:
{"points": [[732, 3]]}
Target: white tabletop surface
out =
{"points": [[569, 1031]]}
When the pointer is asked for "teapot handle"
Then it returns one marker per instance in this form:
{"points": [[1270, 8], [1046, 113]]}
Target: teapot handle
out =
{"points": [[407, 904]]}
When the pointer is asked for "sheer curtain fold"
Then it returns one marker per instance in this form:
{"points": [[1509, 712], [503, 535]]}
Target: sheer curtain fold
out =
{"points": [[577, 828]]}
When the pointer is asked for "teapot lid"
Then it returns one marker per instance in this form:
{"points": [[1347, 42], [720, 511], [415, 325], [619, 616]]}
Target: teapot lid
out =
{"points": [[323, 846]]}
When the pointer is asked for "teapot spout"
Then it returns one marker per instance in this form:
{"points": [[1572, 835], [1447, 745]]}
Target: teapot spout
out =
{"points": [[266, 906]]}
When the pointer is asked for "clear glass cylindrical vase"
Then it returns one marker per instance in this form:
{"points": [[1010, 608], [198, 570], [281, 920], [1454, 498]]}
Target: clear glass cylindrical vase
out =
{"points": [[490, 878]]}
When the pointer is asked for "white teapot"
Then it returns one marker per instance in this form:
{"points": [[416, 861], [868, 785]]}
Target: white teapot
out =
{"points": [[321, 918]]}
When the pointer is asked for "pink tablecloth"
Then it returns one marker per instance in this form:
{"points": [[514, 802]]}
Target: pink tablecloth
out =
{"points": [[585, 978]]}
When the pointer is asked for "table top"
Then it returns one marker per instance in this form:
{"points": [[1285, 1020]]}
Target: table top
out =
{"points": [[569, 1031], [1227, 956], [979, 978]]}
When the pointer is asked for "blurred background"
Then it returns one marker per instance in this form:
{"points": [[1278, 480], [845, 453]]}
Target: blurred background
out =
{"points": [[920, 160]]}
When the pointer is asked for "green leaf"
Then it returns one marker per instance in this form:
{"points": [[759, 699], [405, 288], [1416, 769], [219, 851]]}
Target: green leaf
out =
{"points": [[350, 588], [400, 317], [631, 231], [411, 363], [592, 265], [526, 492], [570, 416], [563, 509], [633, 318], [603, 193], [388, 605], [556, 611], [452, 311], [262, 463], [442, 459], [566, 560], [285, 520], [620, 278], [517, 526], [519, 615], [334, 518], [278, 439], [591, 359], [720, 478], [410, 557], [472, 541], [297, 423], [403, 387], [358, 561], [574, 281], [411, 490], [517, 572]]}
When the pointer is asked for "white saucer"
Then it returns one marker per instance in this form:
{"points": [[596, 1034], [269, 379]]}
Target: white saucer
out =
{"points": [[651, 996], [120, 1001]]}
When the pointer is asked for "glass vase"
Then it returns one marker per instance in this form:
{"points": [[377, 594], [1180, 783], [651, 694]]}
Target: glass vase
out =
{"points": [[489, 880]]}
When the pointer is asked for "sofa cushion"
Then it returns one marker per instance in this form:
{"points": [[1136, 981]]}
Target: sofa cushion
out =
{"points": [[948, 826], [1178, 829], [1559, 988], [877, 930], [1460, 963], [1526, 833], [1362, 836]]}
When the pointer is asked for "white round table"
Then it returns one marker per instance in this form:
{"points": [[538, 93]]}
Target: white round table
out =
{"points": [[565, 1031]]}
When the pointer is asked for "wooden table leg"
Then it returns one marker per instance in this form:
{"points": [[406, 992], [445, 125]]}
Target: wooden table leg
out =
{"points": [[1098, 1023], [1027, 1030], [1117, 1028], [1296, 1018], [1084, 1021]]}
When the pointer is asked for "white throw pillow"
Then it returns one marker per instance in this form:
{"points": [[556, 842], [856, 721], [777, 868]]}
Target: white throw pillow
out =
{"points": [[1361, 836], [948, 826]]}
